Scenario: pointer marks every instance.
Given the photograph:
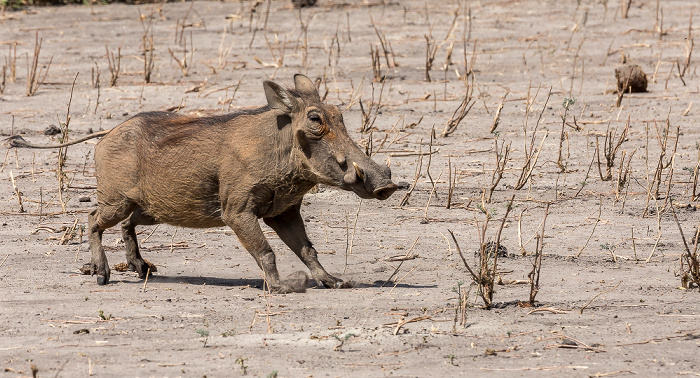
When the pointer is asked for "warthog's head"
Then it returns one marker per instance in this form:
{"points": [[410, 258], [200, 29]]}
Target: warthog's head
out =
{"points": [[323, 144]]}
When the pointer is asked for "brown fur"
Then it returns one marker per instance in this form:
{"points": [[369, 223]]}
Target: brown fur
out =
{"points": [[229, 170]]}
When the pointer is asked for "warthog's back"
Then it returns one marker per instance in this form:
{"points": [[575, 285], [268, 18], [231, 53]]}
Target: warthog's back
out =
{"points": [[170, 164]]}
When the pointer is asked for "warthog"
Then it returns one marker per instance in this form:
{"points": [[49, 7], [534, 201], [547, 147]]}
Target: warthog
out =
{"points": [[228, 170]]}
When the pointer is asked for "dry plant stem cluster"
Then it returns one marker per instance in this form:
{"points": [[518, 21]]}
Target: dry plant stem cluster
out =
{"points": [[654, 185], [147, 48], [34, 74], [610, 149], [4, 80], [501, 161], [114, 65], [531, 154], [534, 275], [185, 63], [689, 262], [63, 151], [462, 110], [485, 276], [370, 116]]}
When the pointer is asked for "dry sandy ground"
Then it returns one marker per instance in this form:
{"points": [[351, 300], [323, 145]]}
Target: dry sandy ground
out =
{"points": [[204, 312]]}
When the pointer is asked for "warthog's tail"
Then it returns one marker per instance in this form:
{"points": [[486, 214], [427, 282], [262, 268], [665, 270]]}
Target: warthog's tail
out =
{"points": [[18, 141]]}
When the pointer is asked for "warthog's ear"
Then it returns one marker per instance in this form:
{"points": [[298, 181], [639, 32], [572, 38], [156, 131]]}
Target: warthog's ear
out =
{"points": [[279, 98], [304, 85]]}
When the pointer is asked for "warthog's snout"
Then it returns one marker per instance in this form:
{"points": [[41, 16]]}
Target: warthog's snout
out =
{"points": [[385, 192], [374, 181]]}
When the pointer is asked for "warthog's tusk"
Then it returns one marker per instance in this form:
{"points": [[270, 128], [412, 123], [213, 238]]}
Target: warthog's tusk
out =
{"points": [[359, 171]]}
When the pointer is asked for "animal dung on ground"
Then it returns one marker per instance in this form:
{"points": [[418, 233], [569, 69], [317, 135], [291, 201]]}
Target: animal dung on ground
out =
{"points": [[491, 247], [631, 78]]}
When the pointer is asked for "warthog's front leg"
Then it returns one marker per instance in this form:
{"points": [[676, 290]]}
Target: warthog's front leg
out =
{"points": [[290, 228], [247, 228]]}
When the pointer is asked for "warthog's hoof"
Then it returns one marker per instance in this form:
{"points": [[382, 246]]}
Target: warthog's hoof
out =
{"points": [[142, 268], [102, 280], [296, 283], [102, 277], [344, 285]]}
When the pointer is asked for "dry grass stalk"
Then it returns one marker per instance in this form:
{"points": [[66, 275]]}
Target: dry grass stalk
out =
{"points": [[386, 47], [63, 151], [625, 7], [376, 65], [430, 160], [2, 83], [183, 63], [531, 154], [181, 25], [501, 161], [451, 182], [610, 148], [114, 65], [278, 50], [567, 104], [431, 49], [419, 167], [690, 264], [430, 196], [696, 194], [488, 258], [659, 24], [17, 193], [654, 186], [334, 53], [462, 110], [623, 173], [147, 49], [688, 48], [598, 295], [34, 74], [497, 118], [369, 116], [468, 63], [597, 220], [305, 46], [11, 61], [534, 275], [408, 256]]}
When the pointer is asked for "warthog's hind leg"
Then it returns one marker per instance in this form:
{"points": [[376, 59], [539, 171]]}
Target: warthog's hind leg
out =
{"points": [[133, 256], [100, 219]]}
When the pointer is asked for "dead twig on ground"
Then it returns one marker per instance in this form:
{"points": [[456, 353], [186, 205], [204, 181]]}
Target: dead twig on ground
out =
{"points": [[598, 295], [597, 220]]}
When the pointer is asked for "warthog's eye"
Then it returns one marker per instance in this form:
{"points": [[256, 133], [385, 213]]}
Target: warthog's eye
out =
{"points": [[315, 117], [316, 126]]}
